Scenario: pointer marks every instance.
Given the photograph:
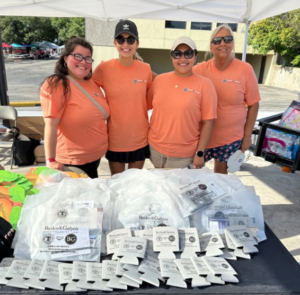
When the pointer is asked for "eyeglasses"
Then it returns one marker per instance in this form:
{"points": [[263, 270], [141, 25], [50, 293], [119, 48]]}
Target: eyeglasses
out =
{"points": [[79, 57], [121, 40], [218, 40], [188, 54]]}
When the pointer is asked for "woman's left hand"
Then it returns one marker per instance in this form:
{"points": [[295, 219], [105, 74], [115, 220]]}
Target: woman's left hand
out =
{"points": [[198, 162], [245, 143]]}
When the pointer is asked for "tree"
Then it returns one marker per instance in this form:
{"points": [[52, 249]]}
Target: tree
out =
{"points": [[280, 33], [67, 27], [20, 29]]}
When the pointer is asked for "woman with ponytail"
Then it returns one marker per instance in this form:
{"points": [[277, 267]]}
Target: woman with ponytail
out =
{"points": [[125, 82]]}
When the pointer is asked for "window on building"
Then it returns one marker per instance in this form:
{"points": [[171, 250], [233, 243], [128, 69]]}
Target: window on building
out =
{"points": [[170, 24], [232, 26], [200, 26]]}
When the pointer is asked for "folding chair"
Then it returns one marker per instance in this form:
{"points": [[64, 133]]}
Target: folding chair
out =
{"points": [[9, 113]]}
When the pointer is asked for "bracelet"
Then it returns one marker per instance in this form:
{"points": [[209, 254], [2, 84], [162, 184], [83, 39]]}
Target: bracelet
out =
{"points": [[50, 160]]}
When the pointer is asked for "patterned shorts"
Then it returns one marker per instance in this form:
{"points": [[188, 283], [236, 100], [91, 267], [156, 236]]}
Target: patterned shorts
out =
{"points": [[222, 153]]}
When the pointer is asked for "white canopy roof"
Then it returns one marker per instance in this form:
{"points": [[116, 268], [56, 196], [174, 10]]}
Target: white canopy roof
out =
{"points": [[231, 11]]}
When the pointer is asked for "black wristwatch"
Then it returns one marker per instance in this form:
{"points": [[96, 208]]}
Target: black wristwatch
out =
{"points": [[200, 154]]}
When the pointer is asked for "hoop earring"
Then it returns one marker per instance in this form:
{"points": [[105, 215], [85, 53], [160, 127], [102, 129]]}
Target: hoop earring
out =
{"points": [[65, 65]]}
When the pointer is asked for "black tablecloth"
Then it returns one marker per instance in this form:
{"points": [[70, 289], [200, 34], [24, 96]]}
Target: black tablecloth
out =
{"points": [[272, 270]]}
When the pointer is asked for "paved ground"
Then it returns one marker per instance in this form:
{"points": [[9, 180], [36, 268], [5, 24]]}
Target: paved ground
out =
{"points": [[279, 191]]}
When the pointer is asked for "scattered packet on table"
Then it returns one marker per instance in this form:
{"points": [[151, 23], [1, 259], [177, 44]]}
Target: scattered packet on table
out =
{"points": [[79, 275], [238, 252], [65, 278], [16, 272], [165, 241], [32, 274], [94, 276], [147, 234], [188, 271], [189, 242], [109, 273], [50, 275], [211, 243]]}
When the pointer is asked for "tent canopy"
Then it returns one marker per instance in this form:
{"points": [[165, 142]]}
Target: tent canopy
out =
{"points": [[15, 45], [231, 11], [46, 44], [6, 45]]}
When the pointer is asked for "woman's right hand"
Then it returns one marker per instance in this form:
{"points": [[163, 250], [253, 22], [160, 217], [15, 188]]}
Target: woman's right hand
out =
{"points": [[55, 165]]}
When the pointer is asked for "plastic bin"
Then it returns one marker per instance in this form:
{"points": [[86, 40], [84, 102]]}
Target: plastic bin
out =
{"points": [[264, 123]]}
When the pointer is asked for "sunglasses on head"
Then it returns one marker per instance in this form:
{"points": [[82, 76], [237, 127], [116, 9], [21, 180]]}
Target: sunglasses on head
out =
{"points": [[218, 40], [121, 40], [188, 54]]}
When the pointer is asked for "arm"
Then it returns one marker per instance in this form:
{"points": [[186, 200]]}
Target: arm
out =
{"points": [[154, 75], [206, 129], [50, 141], [250, 121]]}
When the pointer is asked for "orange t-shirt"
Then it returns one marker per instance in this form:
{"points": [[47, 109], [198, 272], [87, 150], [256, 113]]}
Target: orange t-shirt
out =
{"points": [[81, 132], [125, 89], [236, 87], [179, 106]]}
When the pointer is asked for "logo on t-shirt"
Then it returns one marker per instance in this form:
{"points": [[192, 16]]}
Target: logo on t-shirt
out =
{"points": [[233, 81], [192, 90], [135, 81]]}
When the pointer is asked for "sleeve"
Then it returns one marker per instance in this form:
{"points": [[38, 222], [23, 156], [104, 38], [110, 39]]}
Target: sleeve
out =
{"points": [[53, 102], [209, 101], [98, 74], [252, 95], [149, 79], [150, 93]]}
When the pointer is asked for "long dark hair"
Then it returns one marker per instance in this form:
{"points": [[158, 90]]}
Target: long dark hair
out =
{"points": [[61, 71]]}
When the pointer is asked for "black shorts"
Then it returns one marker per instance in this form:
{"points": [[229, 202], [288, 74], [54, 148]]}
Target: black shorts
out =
{"points": [[91, 169], [128, 157]]}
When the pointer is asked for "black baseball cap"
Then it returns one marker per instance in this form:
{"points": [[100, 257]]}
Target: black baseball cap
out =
{"points": [[126, 26]]}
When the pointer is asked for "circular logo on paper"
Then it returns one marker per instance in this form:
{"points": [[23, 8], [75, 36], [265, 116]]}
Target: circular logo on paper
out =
{"points": [[214, 240], [171, 238], [202, 186], [59, 238], [186, 268], [158, 268], [48, 238], [80, 270], [241, 222], [192, 239], [190, 193], [17, 268], [95, 272], [83, 212], [112, 241], [246, 235], [49, 269], [159, 238], [62, 213], [67, 273], [236, 236], [126, 246], [166, 266], [111, 269], [34, 268], [71, 239], [139, 247], [225, 265]]}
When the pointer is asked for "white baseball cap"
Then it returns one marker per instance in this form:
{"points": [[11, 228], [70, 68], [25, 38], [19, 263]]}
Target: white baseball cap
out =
{"points": [[184, 40]]}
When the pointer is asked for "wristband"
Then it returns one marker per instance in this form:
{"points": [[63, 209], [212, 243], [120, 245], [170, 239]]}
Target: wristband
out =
{"points": [[50, 160]]}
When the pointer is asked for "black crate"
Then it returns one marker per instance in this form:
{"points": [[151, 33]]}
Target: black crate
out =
{"points": [[265, 123]]}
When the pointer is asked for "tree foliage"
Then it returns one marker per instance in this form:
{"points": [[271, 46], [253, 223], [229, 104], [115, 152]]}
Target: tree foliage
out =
{"points": [[25, 29], [280, 33]]}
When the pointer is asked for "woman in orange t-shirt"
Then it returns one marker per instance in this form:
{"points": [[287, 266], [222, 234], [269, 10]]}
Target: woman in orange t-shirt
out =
{"points": [[75, 129], [238, 99], [125, 82]]}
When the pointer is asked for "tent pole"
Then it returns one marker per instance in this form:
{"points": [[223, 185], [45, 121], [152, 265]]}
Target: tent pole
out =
{"points": [[3, 85], [245, 40]]}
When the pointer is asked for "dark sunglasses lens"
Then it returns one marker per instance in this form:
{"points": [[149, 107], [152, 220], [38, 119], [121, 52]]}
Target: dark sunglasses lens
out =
{"points": [[176, 54], [217, 40], [130, 40], [120, 40], [228, 39], [188, 54]]}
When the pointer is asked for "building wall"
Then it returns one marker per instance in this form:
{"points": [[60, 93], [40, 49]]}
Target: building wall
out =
{"points": [[155, 42], [284, 77]]}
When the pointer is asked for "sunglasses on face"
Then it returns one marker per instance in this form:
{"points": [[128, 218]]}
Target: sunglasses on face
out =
{"points": [[218, 40], [121, 40], [188, 54], [79, 57]]}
